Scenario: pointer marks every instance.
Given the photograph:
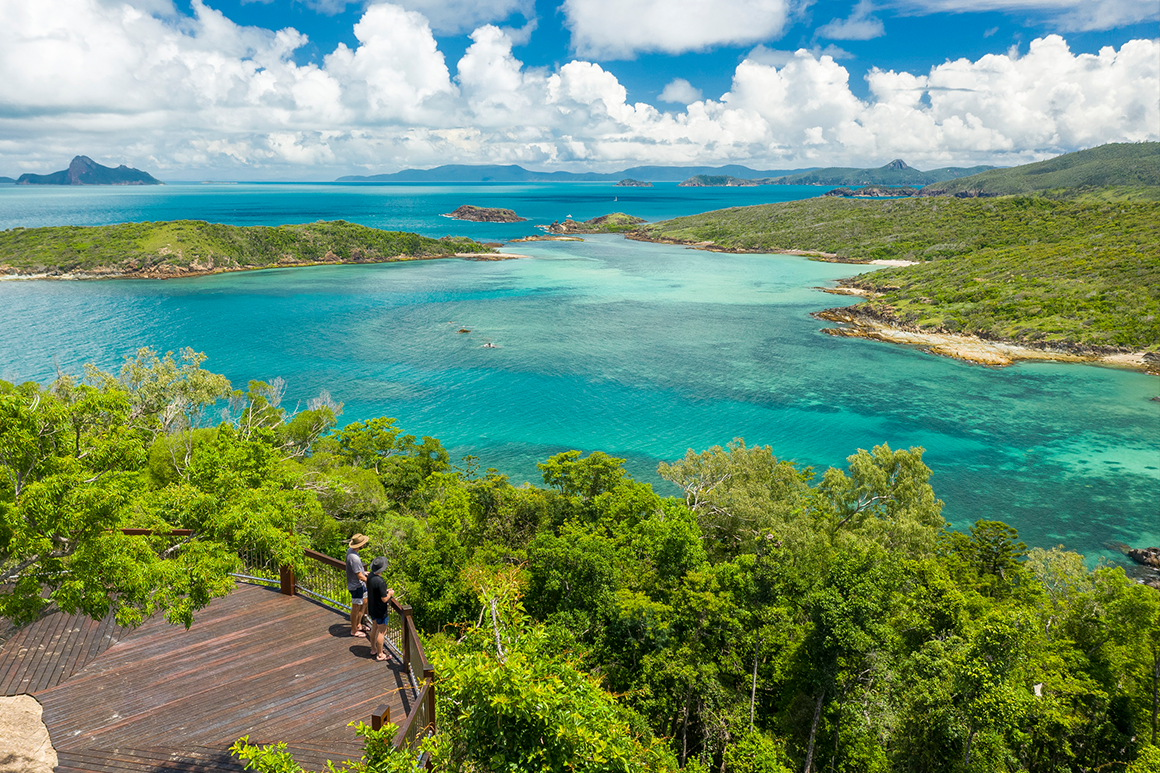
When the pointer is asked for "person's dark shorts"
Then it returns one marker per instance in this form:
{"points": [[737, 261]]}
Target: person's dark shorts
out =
{"points": [[381, 620], [359, 594]]}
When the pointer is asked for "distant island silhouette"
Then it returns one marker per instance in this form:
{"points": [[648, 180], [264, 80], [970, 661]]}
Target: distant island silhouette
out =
{"points": [[84, 171]]}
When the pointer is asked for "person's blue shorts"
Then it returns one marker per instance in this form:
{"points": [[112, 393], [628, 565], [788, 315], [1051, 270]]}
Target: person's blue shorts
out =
{"points": [[359, 594], [381, 620]]}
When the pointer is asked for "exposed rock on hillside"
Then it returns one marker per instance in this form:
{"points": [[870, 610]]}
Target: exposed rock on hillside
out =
{"points": [[874, 192]]}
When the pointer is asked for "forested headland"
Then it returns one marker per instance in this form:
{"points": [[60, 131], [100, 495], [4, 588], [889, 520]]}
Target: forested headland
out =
{"points": [[770, 618], [1029, 270], [189, 247], [1061, 255]]}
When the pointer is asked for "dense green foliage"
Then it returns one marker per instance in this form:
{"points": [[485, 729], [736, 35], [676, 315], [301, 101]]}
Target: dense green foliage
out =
{"points": [[141, 247], [1134, 168], [771, 618], [83, 459], [1020, 268]]}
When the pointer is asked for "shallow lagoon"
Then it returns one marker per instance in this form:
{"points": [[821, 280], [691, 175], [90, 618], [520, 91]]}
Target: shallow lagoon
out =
{"points": [[636, 349]]}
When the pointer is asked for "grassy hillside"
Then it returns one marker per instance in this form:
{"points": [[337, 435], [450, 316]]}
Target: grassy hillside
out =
{"points": [[1133, 168], [182, 246], [895, 173], [1022, 269]]}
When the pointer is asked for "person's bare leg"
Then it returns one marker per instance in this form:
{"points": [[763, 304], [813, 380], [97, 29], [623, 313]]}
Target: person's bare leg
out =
{"points": [[356, 614], [380, 634]]}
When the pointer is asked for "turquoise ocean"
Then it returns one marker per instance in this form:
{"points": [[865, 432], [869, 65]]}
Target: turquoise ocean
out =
{"points": [[639, 350]]}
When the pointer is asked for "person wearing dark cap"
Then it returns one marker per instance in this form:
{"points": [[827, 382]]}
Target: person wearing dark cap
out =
{"points": [[379, 598], [356, 583]]}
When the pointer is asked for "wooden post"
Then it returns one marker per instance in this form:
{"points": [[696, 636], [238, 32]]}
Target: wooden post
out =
{"points": [[381, 717], [286, 580], [407, 626]]}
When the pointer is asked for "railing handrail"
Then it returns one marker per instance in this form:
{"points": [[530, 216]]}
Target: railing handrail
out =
{"points": [[413, 655], [424, 705], [156, 532], [322, 558]]}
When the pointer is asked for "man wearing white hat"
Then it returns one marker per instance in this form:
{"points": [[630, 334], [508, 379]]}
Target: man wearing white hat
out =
{"points": [[356, 583]]}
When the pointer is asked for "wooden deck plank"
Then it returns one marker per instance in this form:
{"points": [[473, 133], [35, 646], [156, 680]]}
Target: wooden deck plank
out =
{"points": [[37, 640], [49, 650], [106, 634], [55, 655], [255, 663], [81, 641]]}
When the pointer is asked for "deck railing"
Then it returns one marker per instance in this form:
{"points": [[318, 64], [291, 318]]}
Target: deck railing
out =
{"points": [[419, 724], [323, 579]]}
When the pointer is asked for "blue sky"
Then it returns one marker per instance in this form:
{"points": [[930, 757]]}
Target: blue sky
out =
{"points": [[909, 40], [310, 89]]}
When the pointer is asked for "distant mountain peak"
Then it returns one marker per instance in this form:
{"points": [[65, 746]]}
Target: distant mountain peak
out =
{"points": [[82, 170], [897, 163]]}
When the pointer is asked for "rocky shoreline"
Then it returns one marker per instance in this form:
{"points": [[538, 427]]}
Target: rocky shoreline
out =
{"points": [[829, 257], [195, 269], [615, 222], [1149, 558], [865, 323]]}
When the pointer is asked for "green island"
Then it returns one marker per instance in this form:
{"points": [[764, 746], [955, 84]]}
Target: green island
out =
{"points": [[191, 247], [1113, 172], [769, 618], [1046, 275]]}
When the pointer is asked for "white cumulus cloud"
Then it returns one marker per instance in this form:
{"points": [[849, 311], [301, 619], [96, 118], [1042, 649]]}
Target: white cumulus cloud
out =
{"points": [[679, 91], [617, 29], [189, 97]]}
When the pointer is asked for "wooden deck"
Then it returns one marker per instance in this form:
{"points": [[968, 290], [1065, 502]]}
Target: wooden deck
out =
{"points": [[256, 663], [45, 653]]}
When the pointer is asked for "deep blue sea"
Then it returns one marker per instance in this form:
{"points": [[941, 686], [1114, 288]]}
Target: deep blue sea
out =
{"points": [[639, 350]]}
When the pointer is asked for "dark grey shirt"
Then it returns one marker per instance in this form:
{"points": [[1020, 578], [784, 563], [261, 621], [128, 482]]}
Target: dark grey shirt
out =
{"points": [[354, 565]]}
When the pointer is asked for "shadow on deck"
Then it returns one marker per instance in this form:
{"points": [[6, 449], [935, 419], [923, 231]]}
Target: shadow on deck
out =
{"points": [[256, 663]]}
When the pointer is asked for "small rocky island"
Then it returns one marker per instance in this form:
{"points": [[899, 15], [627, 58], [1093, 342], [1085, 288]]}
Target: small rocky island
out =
{"points": [[485, 215], [84, 171], [874, 192], [716, 181], [628, 182], [617, 222]]}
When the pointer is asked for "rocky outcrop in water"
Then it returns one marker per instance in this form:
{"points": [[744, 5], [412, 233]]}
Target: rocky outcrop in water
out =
{"points": [[628, 182], [1145, 556], [616, 222], [486, 214]]}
